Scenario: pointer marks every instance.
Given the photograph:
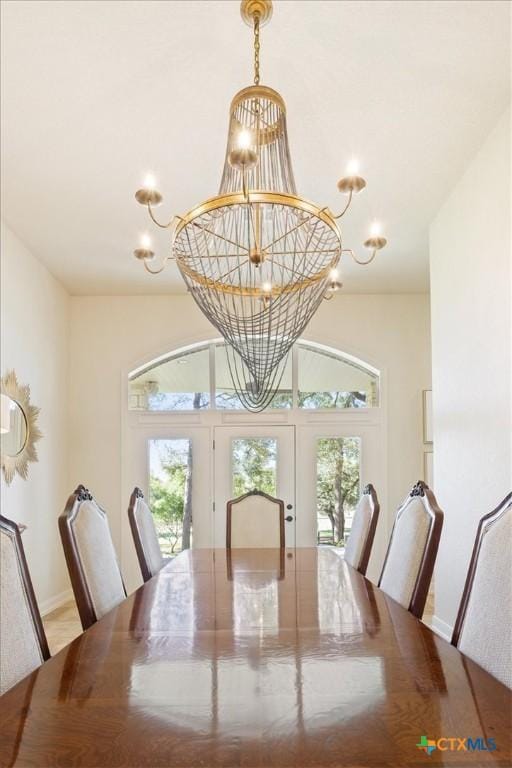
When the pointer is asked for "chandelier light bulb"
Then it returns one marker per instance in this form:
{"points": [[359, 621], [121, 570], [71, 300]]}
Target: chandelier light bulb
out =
{"points": [[334, 284], [149, 194], [144, 252], [149, 181], [375, 229], [266, 287], [243, 158], [243, 140], [353, 168], [375, 242], [352, 182]]}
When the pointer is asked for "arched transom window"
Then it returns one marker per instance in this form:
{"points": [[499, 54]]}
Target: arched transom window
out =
{"points": [[198, 378]]}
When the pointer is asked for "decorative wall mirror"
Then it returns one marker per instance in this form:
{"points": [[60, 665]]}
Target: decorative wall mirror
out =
{"points": [[18, 427]]}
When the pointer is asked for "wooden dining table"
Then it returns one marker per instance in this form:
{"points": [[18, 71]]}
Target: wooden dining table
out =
{"points": [[257, 657]]}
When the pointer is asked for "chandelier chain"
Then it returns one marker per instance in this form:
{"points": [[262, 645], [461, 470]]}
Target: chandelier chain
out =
{"points": [[256, 49]]}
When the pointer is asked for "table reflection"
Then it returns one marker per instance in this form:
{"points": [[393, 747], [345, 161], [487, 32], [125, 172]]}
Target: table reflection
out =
{"points": [[259, 671], [270, 562], [418, 652], [255, 594], [344, 598], [219, 661]]}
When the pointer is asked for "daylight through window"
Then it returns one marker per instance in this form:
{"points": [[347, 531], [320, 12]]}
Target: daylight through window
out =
{"points": [[198, 378]]}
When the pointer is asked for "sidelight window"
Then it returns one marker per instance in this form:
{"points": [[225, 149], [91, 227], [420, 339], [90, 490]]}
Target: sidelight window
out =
{"points": [[338, 465], [170, 493]]}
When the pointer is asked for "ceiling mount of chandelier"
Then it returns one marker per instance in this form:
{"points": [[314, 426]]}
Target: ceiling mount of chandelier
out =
{"points": [[257, 258]]}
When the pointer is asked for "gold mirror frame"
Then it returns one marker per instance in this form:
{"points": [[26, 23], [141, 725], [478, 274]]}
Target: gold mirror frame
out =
{"points": [[20, 394]]}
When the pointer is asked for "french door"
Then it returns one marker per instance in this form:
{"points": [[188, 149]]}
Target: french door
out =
{"points": [[171, 464], [254, 457], [350, 455], [192, 470]]}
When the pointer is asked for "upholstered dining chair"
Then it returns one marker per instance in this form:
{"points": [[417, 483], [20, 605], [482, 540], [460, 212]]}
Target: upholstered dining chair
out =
{"points": [[144, 535], [255, 520], [412, 550], [23, 644], [483, 629], [91, 558], [362, 534]]}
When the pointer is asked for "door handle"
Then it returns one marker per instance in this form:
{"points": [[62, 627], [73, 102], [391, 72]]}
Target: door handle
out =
{"points": [[289, 518], [289, 506]]}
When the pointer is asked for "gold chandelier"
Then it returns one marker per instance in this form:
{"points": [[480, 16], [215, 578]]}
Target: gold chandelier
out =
{"points": [[258, 259]]}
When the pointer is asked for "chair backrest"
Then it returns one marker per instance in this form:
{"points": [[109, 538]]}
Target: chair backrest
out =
{"points": [[144, 535], [364, 525], [255, 520], [91, 558], [412, 549], [483, 629], [23, 645]]}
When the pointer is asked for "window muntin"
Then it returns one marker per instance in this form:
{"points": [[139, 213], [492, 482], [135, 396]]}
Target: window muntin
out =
{"points": [[325, 380]]}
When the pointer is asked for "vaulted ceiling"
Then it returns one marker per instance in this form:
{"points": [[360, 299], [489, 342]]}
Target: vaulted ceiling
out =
{"points": [[95, 94]]}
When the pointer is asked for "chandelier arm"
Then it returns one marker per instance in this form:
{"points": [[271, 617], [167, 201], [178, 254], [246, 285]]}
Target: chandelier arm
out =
{"points": [[159, 224], [328, 210], [360, 261], [155, 271]]}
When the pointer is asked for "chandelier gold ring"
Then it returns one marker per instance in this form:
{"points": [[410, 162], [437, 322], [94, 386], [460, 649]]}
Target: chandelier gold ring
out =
{"points": [[272, 198]]}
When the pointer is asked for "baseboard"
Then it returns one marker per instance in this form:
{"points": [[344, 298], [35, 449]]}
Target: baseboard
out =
{"points": [[47, 606], [441, 628]]}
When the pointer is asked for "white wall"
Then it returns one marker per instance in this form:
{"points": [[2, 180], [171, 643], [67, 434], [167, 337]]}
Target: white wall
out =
{"points": [[34, 342], [471, 358], [110, 335]]}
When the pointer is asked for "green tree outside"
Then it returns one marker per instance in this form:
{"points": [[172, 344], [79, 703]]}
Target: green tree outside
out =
{"points": [[337, 482], [167, 499], [254, 465]]}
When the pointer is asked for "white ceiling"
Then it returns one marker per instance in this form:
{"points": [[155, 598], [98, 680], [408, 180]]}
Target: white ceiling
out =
{"points": [[95, 94]]}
